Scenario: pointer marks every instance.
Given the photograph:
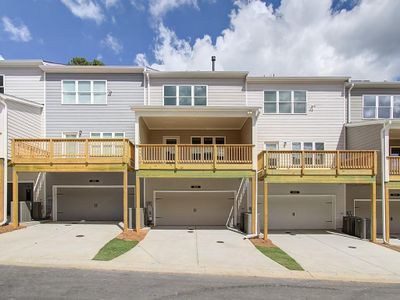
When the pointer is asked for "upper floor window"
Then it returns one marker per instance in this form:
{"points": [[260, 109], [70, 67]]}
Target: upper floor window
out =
{"points": [[185, 95], [107, 135], [381, 107], [285, 102], [84, 92], [1, 84]]}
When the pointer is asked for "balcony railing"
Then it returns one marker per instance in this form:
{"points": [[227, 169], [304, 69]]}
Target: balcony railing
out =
{"points": [[53, 151], [152, 156], [317, 162], [394, 165]]}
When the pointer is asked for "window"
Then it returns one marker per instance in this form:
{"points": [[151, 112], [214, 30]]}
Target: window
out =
{"points": [[206, 152], [2, 83], [285, 102], [185, 95], [381, 107], [308, 146], [107, 135], [309, 158], [70, 148], [106, 148], [84, 92], [271, 146]]}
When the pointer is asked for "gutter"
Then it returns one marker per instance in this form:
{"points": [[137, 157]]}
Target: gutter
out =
{"points": [[386, 126], [5, 162]]}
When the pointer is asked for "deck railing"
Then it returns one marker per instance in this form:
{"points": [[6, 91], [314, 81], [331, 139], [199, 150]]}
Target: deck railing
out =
{"points": [[302, 161], [54, 151], [196, 156], [394, 165]]}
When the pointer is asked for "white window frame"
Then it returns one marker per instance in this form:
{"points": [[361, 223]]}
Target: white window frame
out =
{"points": [[177, 94], [291, 102], [271, 142], [177, 138], [214, 137], [4, 83], [376, 117], [313, 145], [101, 134], [92, 92]]}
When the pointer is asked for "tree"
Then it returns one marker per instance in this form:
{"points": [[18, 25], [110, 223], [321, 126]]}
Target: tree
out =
{"points": [[81, 61]]}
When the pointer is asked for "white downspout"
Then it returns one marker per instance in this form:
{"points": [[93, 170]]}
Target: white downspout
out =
{"points": [[349, 104], [148, 88], [384, 166], [5, 162]]}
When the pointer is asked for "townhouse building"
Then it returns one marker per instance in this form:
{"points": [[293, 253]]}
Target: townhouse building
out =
{"points": [[198, 148]]}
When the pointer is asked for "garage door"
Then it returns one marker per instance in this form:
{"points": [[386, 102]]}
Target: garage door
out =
{"points": [[301, 212], [363, 209], [90, 204], [193, 208]]}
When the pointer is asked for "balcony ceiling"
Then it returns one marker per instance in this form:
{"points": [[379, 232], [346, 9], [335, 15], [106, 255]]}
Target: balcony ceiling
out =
{"points": [[190, 123]]}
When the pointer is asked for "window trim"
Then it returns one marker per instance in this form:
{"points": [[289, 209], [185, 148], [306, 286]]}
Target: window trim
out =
{"points": [[271, 142], [4, 83], [214, 137], [302, 145], [64, 133], [291, 102], [376, 117], [177, 94], [177, 138], [102, 132], [77, 91]]}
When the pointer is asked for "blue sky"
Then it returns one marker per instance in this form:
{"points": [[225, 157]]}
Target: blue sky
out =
{"points": [[283, 37]]}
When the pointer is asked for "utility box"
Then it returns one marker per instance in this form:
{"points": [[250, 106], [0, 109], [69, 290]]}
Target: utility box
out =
{"points": [[362, 228], [132, 218]]}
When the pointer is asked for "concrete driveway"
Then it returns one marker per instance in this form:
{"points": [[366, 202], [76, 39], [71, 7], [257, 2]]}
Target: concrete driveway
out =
{"points": [[330, 254], [55, 243], [200, 250]]}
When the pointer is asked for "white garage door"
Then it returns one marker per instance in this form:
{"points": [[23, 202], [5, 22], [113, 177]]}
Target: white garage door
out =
{"points": [[301, 212], [90, 204], [363, 210], [193, 208]]}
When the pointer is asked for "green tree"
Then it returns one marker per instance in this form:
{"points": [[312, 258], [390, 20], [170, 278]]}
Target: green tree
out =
{"points": [[81, 61]]}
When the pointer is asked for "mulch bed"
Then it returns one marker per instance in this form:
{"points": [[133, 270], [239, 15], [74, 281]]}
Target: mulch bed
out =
{"points": [[132, 235], [263, 243], [9, 228]]}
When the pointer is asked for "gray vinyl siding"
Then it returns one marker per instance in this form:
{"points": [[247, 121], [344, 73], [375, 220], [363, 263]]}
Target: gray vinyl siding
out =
{"points": [[115, 116], [26, 82], [356, 100], [226, 92], [323, 121], [24, 121]]}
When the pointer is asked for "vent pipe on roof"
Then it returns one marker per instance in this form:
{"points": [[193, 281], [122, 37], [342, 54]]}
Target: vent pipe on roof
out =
{"points": [[213, 59]]}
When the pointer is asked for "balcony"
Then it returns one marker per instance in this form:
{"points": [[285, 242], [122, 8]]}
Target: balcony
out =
{"points": [[317, 163], [72, 151], [195, 157], [394, 167]]}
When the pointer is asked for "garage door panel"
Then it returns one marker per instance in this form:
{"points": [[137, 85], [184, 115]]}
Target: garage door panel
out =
{"points": [[90, 204], [363, 210], [301, 212], [193, 208]]}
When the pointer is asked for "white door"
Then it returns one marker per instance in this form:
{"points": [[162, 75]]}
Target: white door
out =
{"points": [[301, 212], [193, 208]]}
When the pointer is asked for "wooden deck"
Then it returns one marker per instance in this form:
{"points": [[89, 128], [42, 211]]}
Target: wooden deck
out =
{"points": [[318, 166], [195, 157], [394, 168]]}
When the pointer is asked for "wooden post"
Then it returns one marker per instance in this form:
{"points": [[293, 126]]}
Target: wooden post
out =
{"points": [[125, 199], [176, 156], [337, 162], [253, 204], [302, 162], [215, 157], [137, 200], [373, 212], [15, 215], [265, 210], [51, 150], [387, 214], [266, 162], [86, 151]]}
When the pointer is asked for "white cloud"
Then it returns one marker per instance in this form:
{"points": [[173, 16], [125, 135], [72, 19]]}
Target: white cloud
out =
{"points": [[111, 3], [159, 8], [85, 9], [113, 43], [17, 33], [301, 37], [1, 57]]}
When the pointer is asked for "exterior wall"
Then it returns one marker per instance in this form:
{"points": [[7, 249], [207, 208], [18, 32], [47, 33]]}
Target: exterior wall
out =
{"points": [[246, 132], [115, 116], [356, 100], [226, 92], [156, 136], [24, 82], [144, 134], [323, 122]]}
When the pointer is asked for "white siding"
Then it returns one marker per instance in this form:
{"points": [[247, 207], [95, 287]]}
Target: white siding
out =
{"points": [[227, 92], [24, 82], [116, 116], [323, 121]]}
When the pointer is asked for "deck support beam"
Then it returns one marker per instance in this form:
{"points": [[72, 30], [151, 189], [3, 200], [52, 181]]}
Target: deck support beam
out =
{"points": [[15, 212], [125, 199], [265, 210], [387, 215], [254, 204], [2, 186], [373, 212], [137, 206]]}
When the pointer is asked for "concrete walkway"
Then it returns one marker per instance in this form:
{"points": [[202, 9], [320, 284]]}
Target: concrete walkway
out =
{"points": [[329, 254]]}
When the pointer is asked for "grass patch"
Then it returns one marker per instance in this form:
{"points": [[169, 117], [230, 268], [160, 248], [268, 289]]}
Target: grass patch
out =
{"points": [[281, 257], [114, 248]]}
